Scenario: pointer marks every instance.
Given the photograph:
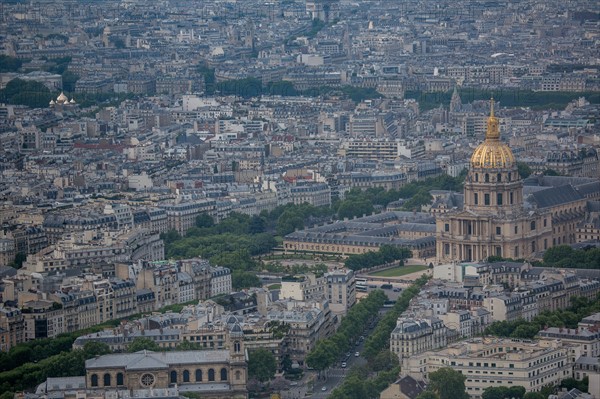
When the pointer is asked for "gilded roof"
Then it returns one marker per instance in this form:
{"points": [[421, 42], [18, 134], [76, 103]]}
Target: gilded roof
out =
{"points": [[492, 153]]}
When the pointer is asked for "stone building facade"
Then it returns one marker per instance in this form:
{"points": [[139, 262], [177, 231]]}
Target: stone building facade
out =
{"points": [[215, 374], [494, 220]]}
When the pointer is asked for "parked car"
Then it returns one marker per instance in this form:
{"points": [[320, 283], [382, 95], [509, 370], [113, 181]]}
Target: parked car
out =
{"points": [[357, 354], [343, 365]]}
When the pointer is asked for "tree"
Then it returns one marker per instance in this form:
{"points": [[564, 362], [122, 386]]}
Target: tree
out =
{"points": [[524, 169], [516, 392], [20, 257], [534, 395], [241, 279], [261, 365], [384, 360], [204, 220], [141, 343], [30, 93], [448, 384], [257, 225], [9, 64], [94, 348], [428, 395], [69, 81]]}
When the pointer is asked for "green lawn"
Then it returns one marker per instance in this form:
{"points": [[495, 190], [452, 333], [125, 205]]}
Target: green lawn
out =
{"points": [[399, 271]]}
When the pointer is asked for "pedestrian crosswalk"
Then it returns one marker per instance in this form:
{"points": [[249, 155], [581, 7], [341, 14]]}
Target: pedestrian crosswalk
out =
{"points": [[336, 373]]}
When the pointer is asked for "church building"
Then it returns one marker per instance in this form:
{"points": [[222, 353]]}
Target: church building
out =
{"points": [[495, 220]]}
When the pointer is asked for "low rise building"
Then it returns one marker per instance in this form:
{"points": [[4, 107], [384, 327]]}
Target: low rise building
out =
{"points": [[497, 362]]}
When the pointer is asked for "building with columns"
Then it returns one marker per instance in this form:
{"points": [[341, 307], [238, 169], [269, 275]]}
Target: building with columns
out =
{"points": [[495, 219]]}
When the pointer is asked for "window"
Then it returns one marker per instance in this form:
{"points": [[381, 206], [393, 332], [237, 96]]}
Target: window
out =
{"points": [[516, 251], [173, 377], [499, 177], [487, 178], [236, 346], [486, 199], [498, 251], [447, 227], [532, 246], [107, 380], [447, 249], [238, 375], [476, 198], [120, 379], [511, 198], [223, 374], [545, 223], [476, 176], [545, 243], [94, 380], [147, 380], [516, 229], [499, 199], [198, 375], [186, 376], [211, 374], [498, 230], [533, 225], [509, 176]]}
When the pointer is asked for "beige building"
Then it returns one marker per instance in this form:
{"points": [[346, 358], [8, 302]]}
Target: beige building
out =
{"points": [[413, 336], [493, 220], [214, 374], [341, 290], [497, 362], [12, 326], [182, 216], [504, 307]]}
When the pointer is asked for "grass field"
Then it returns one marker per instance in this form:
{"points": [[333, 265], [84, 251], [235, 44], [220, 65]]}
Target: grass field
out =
{"points": [[399, 271]]}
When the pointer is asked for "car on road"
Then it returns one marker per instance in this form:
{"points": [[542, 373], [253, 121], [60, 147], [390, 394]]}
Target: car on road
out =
{"points": [[324, 389], [344, 365], [397, 289], [357, 354]]}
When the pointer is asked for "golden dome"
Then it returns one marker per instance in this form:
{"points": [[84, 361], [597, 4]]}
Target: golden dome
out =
{"points": [[61, 99], [492, 153]]}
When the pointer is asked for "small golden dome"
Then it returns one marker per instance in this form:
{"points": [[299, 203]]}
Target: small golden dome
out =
{"points": [[492, 153], [61, 99]]}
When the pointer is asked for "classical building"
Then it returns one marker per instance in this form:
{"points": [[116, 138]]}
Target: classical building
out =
{"points": [[214, 374], [494, 219], [414, 231]]}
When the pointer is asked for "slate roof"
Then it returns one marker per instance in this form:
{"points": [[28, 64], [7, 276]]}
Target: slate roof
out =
{"points": [[410, 387], [589, 189], [153, 360], [555, 196]]}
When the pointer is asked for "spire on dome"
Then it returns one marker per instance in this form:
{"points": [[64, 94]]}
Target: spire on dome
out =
{"points": [[493, 131]]}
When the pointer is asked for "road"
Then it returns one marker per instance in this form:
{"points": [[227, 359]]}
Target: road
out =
{"points": [[335, 376]]}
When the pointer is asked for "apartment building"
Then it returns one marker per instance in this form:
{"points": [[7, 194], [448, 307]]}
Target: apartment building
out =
{"points": [[12, 326], [220, 281], [182, 216], [309, 322], [340, 290], [497, 362], [413, 336]]}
